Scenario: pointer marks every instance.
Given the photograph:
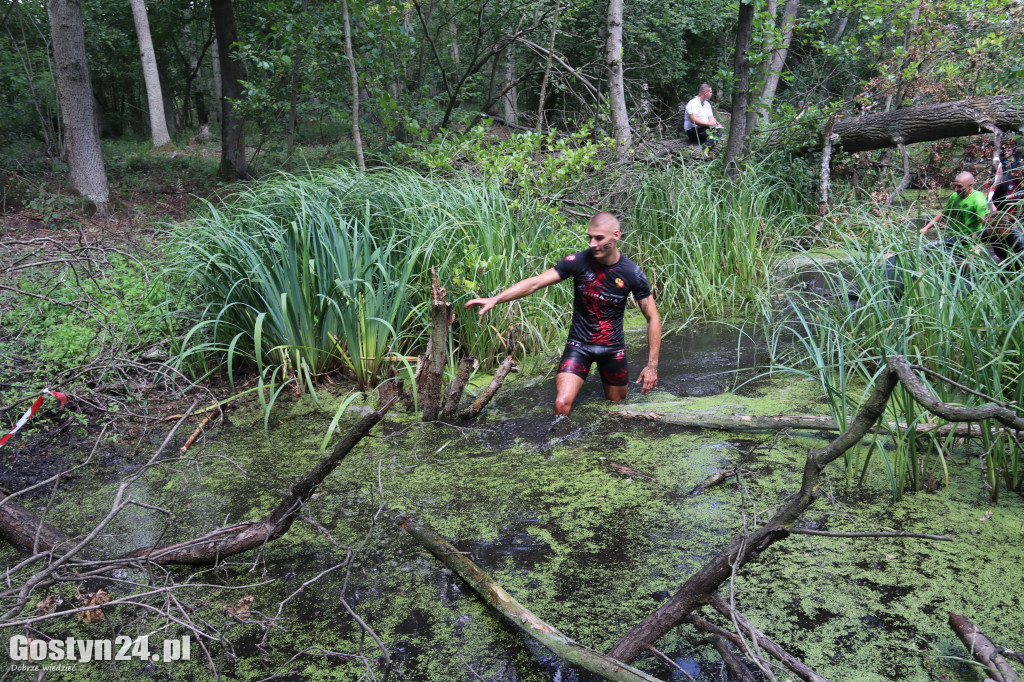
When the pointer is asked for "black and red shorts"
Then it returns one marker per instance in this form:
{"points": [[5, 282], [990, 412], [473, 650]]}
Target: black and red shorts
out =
{"points": [[611, 362]]}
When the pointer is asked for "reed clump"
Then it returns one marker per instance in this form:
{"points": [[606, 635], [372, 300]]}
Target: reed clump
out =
{"points": [[952, 310], [304, 275]]}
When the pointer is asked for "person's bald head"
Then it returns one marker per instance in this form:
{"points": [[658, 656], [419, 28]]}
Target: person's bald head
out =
{"points": [[604, 234], [605, 220], [964, 184]]}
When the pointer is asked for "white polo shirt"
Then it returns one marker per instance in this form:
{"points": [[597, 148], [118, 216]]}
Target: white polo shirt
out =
{"points": [[700, 109]]}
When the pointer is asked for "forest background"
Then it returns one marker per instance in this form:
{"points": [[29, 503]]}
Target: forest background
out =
{"points": [[143, 143]]}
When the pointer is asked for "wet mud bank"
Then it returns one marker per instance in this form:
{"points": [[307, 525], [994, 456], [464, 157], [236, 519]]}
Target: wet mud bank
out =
{"points": [[591, 525]]}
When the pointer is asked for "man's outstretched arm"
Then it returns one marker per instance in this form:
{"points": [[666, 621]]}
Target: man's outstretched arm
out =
{"points": [[518, 290], [648, 378], [934, 222]]}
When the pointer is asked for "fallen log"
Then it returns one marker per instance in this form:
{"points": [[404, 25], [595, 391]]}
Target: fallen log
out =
{"points": [[748, 547], [717, 478], [768, 422], [21, 527], [252, 534], [733, 661], [26, 530], [982, 648], [929, 122], [519, 616]]}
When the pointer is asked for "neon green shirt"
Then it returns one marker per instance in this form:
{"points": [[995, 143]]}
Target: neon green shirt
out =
{"points": [[964, 216]]}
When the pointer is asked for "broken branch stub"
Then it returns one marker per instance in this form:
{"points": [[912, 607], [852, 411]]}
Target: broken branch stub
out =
{"points": [[431, 378]]}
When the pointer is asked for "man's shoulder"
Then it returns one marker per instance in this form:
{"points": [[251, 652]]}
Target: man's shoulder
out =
{"points": [[629, 266], [694, 103], [574, 260]]}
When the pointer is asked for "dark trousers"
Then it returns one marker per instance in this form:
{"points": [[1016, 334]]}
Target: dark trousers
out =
{"points": [[698, 134]]}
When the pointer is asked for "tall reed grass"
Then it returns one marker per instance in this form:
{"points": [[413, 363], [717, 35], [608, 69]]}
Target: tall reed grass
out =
{"points": [[709, 244], [330, 270], [955, 313]]}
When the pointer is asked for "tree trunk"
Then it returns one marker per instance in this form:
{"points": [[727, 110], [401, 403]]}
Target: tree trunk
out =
{"points": [[616, 81], [293, 100], [773, 71], [215, 80], [510, 100], [930, 122], [547, 71], [357, 140], [741, 71], [234, 164], [154, 96], [518, 615], [86, 172]]}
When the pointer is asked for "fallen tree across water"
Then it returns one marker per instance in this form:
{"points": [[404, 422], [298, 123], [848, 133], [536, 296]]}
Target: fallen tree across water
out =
{"points": [[746, 422], [25, 530], [930, 122], [700, 589]]}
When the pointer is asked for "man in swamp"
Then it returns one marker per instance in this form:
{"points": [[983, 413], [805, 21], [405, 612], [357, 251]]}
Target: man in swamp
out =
{"points": [[604, 277]]}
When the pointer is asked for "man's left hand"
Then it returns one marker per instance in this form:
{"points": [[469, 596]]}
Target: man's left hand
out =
{"points": [[648, 378]]}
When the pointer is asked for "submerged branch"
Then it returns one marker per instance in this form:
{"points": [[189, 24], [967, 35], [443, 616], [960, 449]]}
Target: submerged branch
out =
{"points": [[831, 534], [518, 615]]}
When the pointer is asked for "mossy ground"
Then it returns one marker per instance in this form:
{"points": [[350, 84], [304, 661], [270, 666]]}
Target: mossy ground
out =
{"points": [[586, 548]]}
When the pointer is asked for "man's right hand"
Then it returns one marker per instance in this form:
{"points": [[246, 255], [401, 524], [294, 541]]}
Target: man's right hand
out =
{"points": [[485, 304]]}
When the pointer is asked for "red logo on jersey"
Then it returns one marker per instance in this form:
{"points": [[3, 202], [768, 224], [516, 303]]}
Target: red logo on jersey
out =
{"points": [[572, 257], [620, 282]]}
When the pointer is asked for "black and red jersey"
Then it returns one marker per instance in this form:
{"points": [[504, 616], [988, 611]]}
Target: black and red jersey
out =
{"points": [[600, 297]]}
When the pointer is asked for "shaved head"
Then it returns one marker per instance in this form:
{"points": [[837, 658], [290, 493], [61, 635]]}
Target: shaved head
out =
{"points": [[605, 220], [964, 184], [604, 234]]}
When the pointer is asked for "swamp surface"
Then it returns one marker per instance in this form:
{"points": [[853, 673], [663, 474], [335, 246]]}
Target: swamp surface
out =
{"points": [[550, 515]]}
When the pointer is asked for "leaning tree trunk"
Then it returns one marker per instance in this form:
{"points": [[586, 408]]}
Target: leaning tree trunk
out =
{"points": [[357, 139], [930, 122], [775, 65], [234, 165], [157, 120], [741, 69], [616, 81], [85, 158]]}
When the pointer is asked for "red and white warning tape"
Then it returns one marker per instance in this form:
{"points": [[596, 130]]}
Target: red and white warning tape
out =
{"points": [[63, 399]]}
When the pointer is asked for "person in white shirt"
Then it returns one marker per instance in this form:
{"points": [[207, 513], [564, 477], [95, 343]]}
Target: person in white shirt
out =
{"points": [[699, 119]]}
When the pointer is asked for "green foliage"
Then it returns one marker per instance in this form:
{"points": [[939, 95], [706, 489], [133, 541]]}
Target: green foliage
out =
{"points": [[67, 318], [706, 243], [304, 275], [956, 314], [530, 165]]}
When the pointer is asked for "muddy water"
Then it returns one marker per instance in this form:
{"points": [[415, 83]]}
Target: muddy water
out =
{"points": [[590, 549]]}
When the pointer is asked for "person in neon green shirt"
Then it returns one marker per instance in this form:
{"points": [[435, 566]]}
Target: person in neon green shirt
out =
{"points": [[965, 210]]}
